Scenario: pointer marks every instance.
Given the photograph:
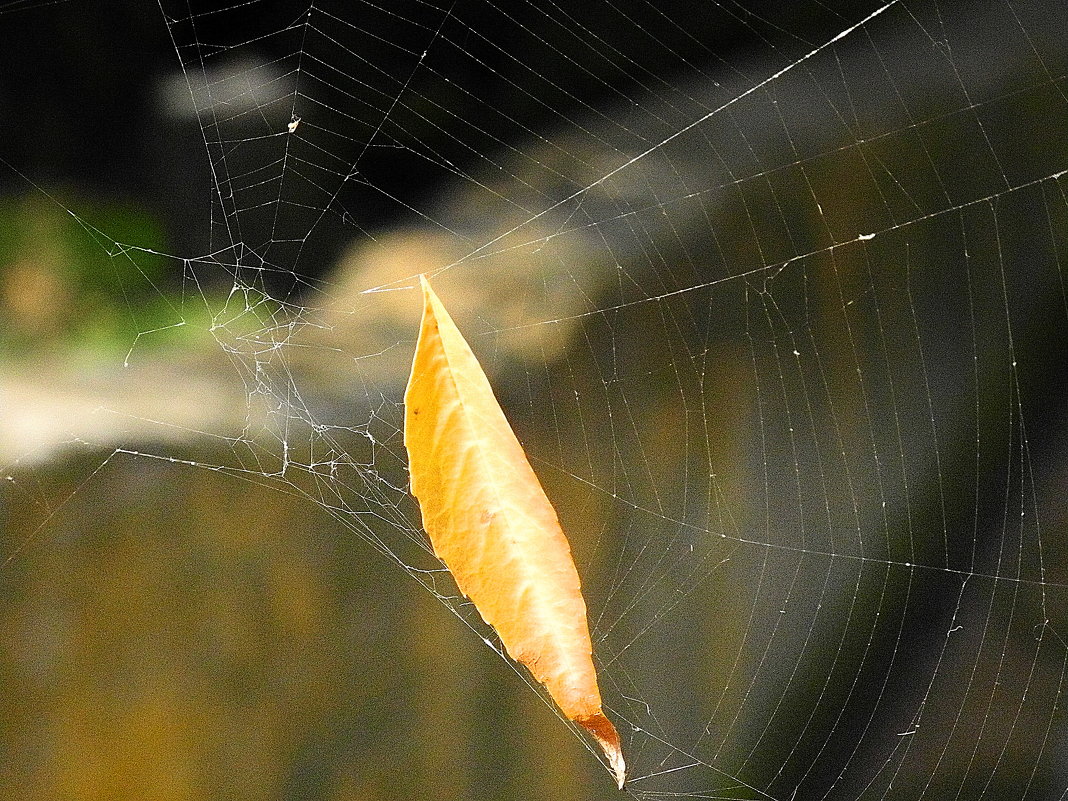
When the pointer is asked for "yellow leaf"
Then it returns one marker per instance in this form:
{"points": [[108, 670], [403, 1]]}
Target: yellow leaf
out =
{"points": [[491, 524]]}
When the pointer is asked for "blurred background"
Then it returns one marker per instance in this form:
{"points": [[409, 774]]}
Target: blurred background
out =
{"points": [[780, 318]]}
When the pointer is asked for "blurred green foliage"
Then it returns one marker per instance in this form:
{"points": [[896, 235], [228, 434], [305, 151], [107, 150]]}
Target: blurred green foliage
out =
{"points": [[87, 282]]}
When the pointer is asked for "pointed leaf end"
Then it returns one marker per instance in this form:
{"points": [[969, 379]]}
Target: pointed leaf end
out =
{"points": [[431, 303], [608, 739]]}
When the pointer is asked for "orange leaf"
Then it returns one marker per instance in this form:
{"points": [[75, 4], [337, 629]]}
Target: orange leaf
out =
{"points": [[492, 525]]}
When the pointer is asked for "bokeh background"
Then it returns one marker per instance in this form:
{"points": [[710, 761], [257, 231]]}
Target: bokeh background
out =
{"points": [[756, 420]]}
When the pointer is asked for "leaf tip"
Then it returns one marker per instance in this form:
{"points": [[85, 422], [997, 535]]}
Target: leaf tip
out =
{"points": [[608, 739], [432, 308]]}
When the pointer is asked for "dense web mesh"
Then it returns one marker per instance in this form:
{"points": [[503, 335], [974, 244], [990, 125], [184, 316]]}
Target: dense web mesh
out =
{"points": [[773, 294]]}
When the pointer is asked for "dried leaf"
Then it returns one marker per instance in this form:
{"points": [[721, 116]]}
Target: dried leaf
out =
{"points": [[491, 524]]}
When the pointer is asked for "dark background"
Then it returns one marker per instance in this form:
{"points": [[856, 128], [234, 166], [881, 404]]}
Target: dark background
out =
{"points": [[82, 85]]}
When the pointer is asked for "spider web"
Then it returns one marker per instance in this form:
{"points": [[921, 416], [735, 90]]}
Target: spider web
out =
{"points": [[774, 297]]}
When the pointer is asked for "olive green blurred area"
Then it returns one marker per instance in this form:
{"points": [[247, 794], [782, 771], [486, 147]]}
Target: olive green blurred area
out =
{"points": [[173, 635], [807, 431], [67, 289]]}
